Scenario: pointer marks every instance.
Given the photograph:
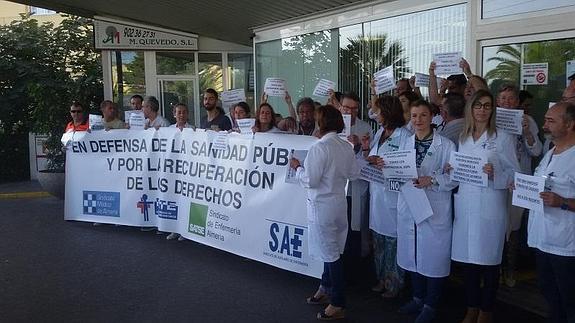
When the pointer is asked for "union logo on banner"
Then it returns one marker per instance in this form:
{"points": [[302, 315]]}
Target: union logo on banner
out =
{"points": [[144, 206]]}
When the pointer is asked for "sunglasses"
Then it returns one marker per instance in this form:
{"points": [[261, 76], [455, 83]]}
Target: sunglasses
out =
{"points": [[75, 111]]}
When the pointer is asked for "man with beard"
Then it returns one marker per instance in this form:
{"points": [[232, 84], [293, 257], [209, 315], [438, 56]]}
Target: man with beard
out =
{"points": [[216, 118]]}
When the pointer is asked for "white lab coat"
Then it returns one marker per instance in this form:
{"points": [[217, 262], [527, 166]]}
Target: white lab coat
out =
{"points": [[425, 248], [330, 162], [383, 202], [525, 152], [481, 212], [554, 230], [358, 189]]}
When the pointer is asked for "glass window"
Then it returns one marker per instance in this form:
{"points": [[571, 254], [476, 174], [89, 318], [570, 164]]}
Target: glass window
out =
{"points": [[41, 11], [175, 63], [500, 8], [241, 74], [210, 74], [127, 76], [302, 61], [502, 65], [408, 42]]}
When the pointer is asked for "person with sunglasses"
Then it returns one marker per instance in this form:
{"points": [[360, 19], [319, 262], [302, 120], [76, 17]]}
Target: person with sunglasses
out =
{"points": [[79, 118]]}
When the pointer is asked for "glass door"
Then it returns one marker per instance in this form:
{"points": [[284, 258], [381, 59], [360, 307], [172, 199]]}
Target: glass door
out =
{"points": [[174, 90]]}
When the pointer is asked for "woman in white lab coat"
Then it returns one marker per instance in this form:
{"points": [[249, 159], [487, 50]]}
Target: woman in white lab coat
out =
{"points": [[383, 200], [481, 212], [424, 238], [329, 164]]}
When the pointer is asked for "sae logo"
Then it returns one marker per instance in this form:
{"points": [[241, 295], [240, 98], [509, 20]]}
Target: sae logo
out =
{"points": [[101, 203], [166, 209], [286, 239], [198, 217]]}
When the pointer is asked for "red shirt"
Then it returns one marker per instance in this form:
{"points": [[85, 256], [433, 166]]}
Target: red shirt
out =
{"points": [[82, 127]]}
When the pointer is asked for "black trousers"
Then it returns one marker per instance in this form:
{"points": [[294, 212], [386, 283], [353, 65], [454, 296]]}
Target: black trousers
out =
{"points": [[556, 277]]}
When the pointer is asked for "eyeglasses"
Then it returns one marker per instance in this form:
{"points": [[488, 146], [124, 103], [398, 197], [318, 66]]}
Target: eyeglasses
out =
{"points": [[75, 111], [485, 106]]}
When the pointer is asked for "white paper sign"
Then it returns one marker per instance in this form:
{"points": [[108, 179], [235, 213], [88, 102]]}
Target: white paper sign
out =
{"points": [[422, 80], [275, 87], [232, 97], [417, 202], [384, 80], [526, 192], [135, 119], [220, 141], [322, 87], [399, 164], [96, 122], [290, 172], [447, 63], [551, 104], [347, 129], [468, 169], [510, 120], [370, 173], [246, 125], [569, 70], [535, 74]]}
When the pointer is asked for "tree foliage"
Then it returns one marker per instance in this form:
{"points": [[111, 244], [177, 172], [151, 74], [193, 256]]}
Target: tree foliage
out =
{"points": [[43, 68]]}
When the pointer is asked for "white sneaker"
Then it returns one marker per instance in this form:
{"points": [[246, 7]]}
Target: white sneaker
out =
{"points": [[173, 236], [181, 238]]}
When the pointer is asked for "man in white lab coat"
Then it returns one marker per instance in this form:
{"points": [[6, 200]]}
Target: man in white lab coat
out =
{"points": [[552, 232]]}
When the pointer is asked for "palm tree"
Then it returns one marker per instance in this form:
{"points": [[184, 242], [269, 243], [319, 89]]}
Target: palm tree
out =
{"points": [[363, 56], [508, 68]]}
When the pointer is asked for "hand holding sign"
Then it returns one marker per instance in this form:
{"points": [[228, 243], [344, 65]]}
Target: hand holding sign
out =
{"points": [[323, 86], [447, 63], [384, 80]]}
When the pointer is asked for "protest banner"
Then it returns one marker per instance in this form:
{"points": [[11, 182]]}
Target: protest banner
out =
{"points": [[384, 80], [468, 169], [323, 86], [526, 192], [234, 199], [510, 120], [275, 87], [447, 63], [399, 164]]}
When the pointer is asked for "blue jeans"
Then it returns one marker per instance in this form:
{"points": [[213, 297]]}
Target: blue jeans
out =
{"points": [[427, 289], [333, 282], [556, 276]]}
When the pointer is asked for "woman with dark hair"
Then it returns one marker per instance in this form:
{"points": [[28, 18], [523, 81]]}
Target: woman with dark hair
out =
{"points": [[481, 212], [424, 243], [383, 200], [265, 119], [329, 164], [406, 99]]}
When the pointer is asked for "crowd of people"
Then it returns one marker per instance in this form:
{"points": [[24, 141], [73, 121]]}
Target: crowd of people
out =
{"points": [[471, 225]]}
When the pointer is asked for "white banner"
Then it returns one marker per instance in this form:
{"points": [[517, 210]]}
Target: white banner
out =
{"points": [[234, 199], [468, 169], [526, 192], [510, 120], [111, 35]]}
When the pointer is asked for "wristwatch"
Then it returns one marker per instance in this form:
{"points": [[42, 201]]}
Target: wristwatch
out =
{"points": [[564, 204]]}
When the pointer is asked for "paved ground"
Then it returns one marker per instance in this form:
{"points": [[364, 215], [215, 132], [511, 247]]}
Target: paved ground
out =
{"points": [[57, 271]]}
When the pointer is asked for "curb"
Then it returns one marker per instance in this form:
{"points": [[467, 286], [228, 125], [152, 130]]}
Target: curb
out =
{"points": [[23, 195]]}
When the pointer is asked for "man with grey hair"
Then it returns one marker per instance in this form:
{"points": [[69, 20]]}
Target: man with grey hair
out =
{"points": [[151, 108], [552, 232]]}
